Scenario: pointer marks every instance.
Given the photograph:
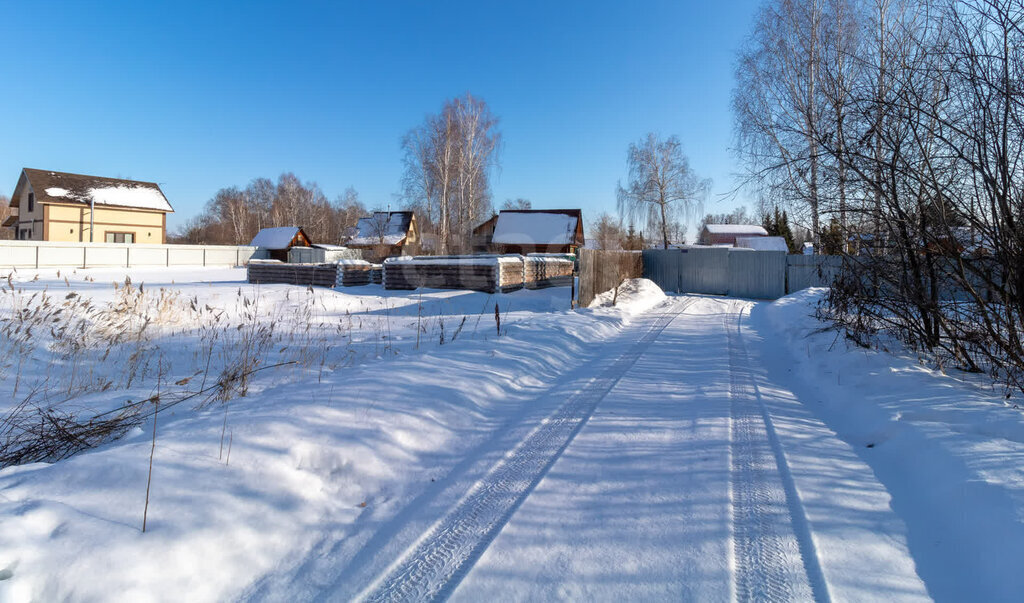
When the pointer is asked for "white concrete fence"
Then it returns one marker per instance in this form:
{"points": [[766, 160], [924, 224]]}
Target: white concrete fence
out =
{"points": [[39, 254]]}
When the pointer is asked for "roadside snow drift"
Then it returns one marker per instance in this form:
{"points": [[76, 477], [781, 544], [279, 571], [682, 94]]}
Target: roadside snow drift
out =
{"points": [[948, 448], [634, 296]]}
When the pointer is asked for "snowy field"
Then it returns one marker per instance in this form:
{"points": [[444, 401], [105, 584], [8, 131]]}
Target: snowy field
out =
{"points": [[368, 443]]}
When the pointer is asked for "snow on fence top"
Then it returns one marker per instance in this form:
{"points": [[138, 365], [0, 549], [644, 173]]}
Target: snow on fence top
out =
{"points": [[62, 187], [535, 228], [279, 237]]}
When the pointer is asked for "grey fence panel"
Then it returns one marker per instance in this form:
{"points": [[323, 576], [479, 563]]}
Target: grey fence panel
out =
{"points": [[757, 274], [737, 272], [804, 271], [662, 267], [44, 254], [704, 270]]}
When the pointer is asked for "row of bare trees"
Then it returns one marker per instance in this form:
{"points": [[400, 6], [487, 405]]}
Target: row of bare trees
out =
{"points": [[234, 215], [897, 127], [449, 159]]}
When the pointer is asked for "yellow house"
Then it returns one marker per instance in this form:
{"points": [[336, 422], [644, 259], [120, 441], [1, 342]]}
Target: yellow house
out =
{"points": [[56, 206]]}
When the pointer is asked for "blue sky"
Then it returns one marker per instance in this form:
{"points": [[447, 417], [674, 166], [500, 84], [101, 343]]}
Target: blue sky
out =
{"points": [[202, 95]]}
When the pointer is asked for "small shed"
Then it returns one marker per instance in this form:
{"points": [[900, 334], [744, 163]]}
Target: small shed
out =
{"points": [[763, 243], [278, 240], [527, 231], [726, 234]]}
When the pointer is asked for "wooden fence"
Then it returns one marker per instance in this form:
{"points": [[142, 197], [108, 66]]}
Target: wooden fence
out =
{"points": [[602, 270]]}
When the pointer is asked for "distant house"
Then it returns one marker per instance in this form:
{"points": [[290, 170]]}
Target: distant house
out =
{"points": [[278, 240], [725, 234], [386, 234], [57, 206], [535, 231]]}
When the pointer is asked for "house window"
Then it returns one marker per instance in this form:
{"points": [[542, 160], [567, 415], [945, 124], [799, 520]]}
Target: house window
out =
{"points": [[120, 237], [31, 202]]}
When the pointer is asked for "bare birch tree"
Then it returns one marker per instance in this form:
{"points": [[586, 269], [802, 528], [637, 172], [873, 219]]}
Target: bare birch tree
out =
{"points": [[662, 187], [778, 105], [448, 163]]}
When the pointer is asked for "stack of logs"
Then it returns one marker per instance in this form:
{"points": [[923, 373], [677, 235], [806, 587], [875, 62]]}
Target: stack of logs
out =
{"points": [[540, 271], [353, 273], [491, 273], [270, 271], [477, 273]]}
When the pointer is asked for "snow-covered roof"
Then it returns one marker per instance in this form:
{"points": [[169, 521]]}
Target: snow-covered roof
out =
{"points": [[279, 237], [763, 243], [737, 229], [388, 228], [535, 228], [62, 187]]}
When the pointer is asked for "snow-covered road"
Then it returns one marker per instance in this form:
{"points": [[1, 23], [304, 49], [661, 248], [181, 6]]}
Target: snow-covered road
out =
{"points": [[674, 467], [682, 487]]}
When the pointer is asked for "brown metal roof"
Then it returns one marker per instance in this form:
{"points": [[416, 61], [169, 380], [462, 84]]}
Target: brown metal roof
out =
{"points": [[78, 188]]}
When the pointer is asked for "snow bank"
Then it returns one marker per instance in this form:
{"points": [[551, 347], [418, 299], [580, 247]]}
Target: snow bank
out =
{"points": [[338, 448], [636, 295], [948, 448]]}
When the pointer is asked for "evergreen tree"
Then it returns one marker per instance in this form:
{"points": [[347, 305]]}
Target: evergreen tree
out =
{"points": [[832, 239], [787, 233], [633, 240]]}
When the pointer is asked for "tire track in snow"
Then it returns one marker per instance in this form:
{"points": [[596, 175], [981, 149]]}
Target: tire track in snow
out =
{"points": [[434, 566], [774, 555]]}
